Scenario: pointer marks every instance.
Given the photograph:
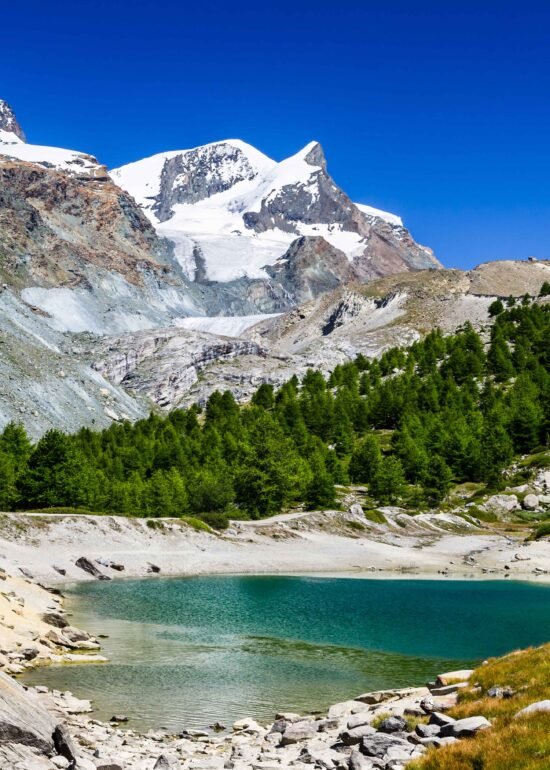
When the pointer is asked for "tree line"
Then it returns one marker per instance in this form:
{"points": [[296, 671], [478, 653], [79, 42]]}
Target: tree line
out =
{"points": [[447, 409]]}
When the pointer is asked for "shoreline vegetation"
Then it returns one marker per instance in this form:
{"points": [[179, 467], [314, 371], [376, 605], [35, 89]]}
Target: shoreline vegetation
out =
{"points": [[410, 427]]}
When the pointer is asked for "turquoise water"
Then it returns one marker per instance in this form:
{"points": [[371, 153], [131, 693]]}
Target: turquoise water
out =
{"points": [[187, 652]]}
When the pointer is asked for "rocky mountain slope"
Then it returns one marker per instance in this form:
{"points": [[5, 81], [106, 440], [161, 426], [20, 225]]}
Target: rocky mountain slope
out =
{"points": [[200, 269], [232, 212]]}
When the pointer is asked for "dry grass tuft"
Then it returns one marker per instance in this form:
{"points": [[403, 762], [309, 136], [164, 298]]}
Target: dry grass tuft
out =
{"points": [[510, 744]]}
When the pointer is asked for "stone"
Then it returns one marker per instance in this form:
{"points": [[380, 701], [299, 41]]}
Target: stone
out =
{"points": [[358, 761], [357, 510], [299, 731], [119, 718], [464, 728], [248, 726], [378, 745], [165, 763], [427, 731], [55, 619], [393, 724], [356, 734], [539, 706], [154, 568], [530, 502], [64, 743], [356, 720], [500, 692], [60, 762], [437, 718], [380, 696], [449, 689], [428, 705], [88, 566], [23, 720], [505, 503], [451, 677], [288, 716]]}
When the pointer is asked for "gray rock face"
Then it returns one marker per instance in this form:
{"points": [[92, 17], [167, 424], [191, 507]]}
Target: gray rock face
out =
{"points": [[310, 267], [199, 173], [8, 121], [22, 719]]}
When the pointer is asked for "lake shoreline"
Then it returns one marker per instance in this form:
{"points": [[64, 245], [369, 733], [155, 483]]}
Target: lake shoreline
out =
{"points": [[34, 551]]}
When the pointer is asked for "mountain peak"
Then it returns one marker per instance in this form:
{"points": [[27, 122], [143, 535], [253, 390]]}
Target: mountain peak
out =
{"points": [[8, 121], [314, 155]]}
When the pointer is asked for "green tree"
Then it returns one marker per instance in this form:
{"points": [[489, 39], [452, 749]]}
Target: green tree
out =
{"points": [[388, 482], [365, 460], [496, 308], [545, 289]]}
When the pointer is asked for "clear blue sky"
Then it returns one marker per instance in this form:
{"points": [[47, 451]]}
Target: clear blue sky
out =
{"points": [[438, 111]]}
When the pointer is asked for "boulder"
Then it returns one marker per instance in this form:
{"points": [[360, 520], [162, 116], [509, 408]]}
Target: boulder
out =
{"points": [[437, 718], [356, 734], [356, 509], [534, 708], [502, 503], [378, 745], [530, 502], [464, 728], [379, 696], [451, 677], [64, 743], [23, 720], [393, 724], [88, 566], [358, 761], [500, 692], [55, 619], [427, 731], [299, 731], [356, 720]]}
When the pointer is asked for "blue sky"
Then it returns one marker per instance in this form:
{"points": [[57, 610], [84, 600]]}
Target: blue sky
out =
{"points": [[438, 111]]}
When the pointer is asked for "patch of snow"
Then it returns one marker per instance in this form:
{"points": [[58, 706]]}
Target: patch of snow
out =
{"points": [[393, 219], [65, 160]]}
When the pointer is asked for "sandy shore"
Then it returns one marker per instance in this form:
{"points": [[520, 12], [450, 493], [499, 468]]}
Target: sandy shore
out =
{"points": [[46, 548], [38, 550]]}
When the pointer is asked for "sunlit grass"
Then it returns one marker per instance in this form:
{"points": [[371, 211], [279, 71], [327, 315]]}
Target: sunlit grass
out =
{"points": [[510, 744]]}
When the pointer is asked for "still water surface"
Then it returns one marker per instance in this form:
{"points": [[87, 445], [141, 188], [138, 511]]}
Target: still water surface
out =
{"points": [[187, 652]]}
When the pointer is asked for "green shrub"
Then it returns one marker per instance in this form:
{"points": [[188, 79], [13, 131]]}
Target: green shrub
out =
{"points": [[543, 530], [377, 517], [197, 524]]}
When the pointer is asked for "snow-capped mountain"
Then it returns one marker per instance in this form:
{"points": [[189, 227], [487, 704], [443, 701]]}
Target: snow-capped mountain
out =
{"points": [[231, 212], [13, 145]]}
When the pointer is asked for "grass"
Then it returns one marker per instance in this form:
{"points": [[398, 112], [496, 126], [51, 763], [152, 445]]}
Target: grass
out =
{"points": [[510, 744], [481, 514], [377, 517], [543, 530], [197, 524]]}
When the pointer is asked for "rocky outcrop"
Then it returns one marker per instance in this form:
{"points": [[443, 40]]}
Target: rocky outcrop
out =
{"points": [[163, 365], [22, 719], [197, 174], [311, 267], [8, 121]]}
